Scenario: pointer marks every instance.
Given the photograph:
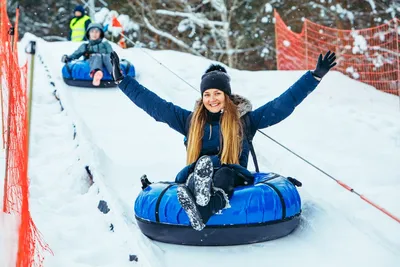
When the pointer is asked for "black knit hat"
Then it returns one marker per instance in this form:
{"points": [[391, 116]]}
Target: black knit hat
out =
{"points": [[216, 77]]}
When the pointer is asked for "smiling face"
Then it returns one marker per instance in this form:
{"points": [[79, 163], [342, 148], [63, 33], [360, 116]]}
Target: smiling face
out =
{"points": [[214, 100]]}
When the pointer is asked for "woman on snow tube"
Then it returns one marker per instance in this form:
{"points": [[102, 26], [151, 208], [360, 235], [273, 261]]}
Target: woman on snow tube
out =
{"points": [[217, 152]]}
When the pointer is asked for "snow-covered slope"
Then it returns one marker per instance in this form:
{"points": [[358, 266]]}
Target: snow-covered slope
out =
{"points": [[349, 129]]}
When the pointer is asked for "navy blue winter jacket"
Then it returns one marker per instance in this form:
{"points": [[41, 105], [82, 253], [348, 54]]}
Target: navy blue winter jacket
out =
{"points": [[177, 117]]}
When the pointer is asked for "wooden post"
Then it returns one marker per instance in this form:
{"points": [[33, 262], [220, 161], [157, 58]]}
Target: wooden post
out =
{"points": [[306, 42]]}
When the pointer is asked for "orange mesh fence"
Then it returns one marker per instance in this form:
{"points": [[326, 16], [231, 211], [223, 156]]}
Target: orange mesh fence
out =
{"points": [[13, 81], [368, 55]]}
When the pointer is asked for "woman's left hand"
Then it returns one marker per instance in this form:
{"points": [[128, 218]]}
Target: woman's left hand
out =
{"points": [[325, 64]]}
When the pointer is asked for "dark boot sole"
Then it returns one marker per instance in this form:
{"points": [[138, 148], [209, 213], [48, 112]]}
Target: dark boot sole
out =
{"points": [[203, 173], [188, 204]]}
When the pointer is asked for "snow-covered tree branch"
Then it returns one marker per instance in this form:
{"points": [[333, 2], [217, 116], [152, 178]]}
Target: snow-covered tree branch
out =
{"points": [[197, 18], [169, 36]]}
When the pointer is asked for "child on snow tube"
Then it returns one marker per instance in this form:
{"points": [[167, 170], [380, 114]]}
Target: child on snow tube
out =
{"points": [[96, 51], [217, 152]]}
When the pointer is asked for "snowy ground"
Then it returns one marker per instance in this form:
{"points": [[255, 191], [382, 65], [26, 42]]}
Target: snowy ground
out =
{"points": [[349, 129]]}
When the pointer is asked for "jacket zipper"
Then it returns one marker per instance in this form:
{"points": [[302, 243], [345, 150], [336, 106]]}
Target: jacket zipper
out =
{"points": [[209, 138]]}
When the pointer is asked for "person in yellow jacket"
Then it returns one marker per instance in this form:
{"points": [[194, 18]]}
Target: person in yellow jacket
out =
{"points": [[79, 25]]}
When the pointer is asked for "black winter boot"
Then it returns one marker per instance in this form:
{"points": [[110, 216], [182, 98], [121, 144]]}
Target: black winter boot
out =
{"points": [[190, 183], [187, 202], [202, 175], [224, 178], [218, 202], [116, 68]]}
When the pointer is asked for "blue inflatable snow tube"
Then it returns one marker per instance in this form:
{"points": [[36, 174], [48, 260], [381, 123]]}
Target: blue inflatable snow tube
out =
{"points": [[77, 73], [267, 210]]}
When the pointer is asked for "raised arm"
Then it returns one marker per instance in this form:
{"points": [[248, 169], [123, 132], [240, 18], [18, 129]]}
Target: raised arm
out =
{"points": [[281, 107], [154, 105]]}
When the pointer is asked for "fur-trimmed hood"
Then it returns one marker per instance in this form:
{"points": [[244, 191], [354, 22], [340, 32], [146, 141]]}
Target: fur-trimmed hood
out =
{"points": [[244, 105]]}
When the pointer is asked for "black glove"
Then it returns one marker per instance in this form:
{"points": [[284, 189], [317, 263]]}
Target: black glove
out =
{"points": [[65, 59], [116, 68], [324, 65]]}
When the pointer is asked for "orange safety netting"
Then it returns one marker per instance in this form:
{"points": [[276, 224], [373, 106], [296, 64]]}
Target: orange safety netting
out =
{"points": [[14, 103], [368, 55]]}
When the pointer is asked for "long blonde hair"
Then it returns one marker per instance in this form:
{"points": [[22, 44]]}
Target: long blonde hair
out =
{"points": [[231, 129]]}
